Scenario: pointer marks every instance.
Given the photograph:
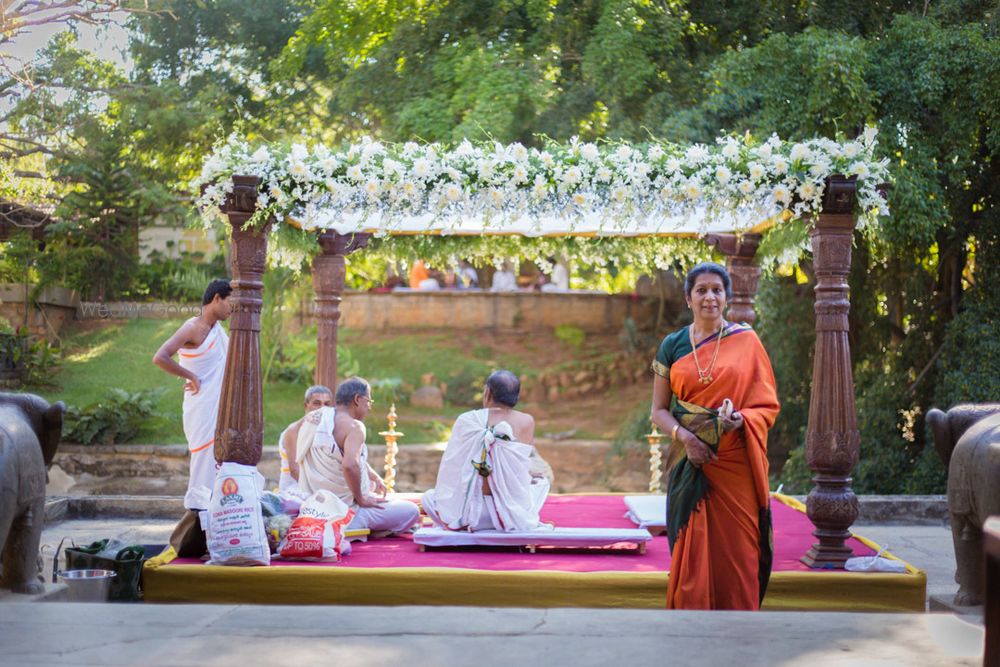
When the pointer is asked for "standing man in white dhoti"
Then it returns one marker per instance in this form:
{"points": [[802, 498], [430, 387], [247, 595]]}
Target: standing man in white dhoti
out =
{"points": [[486, 480], [201, 344], [317, 396], [332, 455]]}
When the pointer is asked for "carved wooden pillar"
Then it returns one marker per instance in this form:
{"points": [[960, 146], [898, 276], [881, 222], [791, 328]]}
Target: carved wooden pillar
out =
{"points": [[740, 251], [329, 272], [832, 436], [239, 433]]}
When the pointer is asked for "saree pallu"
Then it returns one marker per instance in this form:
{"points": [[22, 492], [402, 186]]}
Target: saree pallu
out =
{"points": [[719, 515]]}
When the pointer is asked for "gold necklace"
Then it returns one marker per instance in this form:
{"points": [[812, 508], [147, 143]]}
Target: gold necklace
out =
{"points": [[705, 376]]}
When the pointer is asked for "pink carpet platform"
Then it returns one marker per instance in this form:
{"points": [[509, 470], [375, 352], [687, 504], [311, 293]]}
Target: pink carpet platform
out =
{"points": [[393, 571]]}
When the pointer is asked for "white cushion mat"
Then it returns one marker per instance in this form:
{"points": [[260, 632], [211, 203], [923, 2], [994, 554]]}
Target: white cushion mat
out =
{"points": [[555, 537], [647, 511]]}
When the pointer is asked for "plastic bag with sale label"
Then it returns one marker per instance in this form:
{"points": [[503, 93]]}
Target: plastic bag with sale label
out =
{"points": [[235, 524], [318, 532]]}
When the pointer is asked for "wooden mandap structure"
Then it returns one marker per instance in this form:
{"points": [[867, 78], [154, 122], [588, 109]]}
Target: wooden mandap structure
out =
{"points": [[832, 439]]}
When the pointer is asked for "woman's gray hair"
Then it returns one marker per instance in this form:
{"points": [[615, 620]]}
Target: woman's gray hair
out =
{"points": [[317, 389], [351, 388], [708, 267]]}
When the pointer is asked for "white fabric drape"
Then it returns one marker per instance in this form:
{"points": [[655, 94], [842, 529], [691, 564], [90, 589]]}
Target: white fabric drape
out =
{"points": [[457, 501]]}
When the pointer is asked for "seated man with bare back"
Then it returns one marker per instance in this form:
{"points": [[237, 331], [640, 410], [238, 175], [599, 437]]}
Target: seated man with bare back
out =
{"points": [[488, 479], [332, 455], [201, 345]]}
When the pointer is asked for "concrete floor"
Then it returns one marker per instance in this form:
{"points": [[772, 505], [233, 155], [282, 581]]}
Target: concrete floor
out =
{"points": [[56, 633], [149, 635]]}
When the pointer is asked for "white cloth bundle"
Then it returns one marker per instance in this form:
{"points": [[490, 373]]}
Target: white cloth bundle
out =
{"points": [[457, 502]]}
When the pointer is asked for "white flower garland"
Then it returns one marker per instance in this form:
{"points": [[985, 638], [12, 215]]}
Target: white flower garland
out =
{"points": [[498, 184]]}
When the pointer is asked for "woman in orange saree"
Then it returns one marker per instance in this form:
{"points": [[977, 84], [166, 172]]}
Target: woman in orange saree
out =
{"points": [[714, 392]]}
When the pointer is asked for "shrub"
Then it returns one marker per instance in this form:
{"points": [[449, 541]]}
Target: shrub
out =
{"points": [[115, 419], [465, 386], [180, 279], [387, 391], [41, 361], [570, 335], [969, 366]]}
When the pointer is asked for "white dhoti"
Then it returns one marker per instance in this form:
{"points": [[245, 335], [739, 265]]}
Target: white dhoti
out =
{"points": [[458, 501], [395, 516], [201, 411], [285, 480], [321, 466]]}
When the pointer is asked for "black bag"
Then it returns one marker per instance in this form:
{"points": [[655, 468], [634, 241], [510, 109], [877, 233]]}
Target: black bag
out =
{"points": [[125, 560]]}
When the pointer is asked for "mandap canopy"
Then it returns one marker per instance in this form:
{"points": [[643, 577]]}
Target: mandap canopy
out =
{"points": [[738, 185]]}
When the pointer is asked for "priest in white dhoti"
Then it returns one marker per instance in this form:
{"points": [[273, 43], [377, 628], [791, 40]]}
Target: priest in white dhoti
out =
{"points": [[332, 455], [201, 345], [487, 479]]}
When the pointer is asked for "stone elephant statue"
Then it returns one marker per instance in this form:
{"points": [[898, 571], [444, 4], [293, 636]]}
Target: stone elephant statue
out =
{"points": [[967, 438], [30, 430]]}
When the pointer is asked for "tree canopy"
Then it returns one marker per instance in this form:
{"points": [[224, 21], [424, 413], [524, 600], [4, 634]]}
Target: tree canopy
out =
{"points": [[97, 139]]}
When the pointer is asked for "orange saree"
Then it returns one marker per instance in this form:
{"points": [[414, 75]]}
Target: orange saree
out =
{"points": [[719, 514]]}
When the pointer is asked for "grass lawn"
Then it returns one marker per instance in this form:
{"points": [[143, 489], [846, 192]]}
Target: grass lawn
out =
{"points": [[110, 354]]}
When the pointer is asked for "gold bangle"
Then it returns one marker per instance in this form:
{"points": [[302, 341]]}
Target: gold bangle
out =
{"points": [[673, 432]]}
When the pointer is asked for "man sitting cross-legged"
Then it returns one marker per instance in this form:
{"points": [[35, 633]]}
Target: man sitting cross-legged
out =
{"points": [[332, 455], [486, 479], [317, 396]]}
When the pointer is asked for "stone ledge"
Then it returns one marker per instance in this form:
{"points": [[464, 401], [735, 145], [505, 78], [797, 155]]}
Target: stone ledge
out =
{"points": [[124, 507], [929, 510], [56, 509]]}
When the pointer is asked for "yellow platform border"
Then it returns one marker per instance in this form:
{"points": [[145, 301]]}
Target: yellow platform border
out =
{"points": [[788, 591]]}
